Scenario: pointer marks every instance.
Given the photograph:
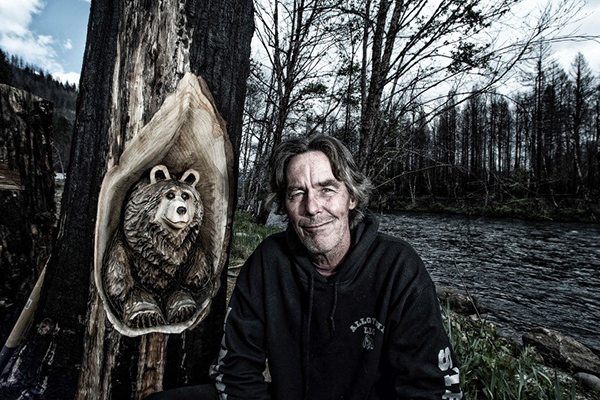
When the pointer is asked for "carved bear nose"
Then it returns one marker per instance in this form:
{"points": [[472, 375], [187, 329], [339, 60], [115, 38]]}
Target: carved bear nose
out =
{"points": [[181, 210]]}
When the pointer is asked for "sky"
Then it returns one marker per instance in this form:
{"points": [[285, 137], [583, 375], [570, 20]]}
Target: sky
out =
{"points": [[47, 33], [588, 22], [51, 34]]}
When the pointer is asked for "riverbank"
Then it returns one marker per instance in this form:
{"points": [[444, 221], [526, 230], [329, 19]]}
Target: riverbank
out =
{"points": [[495, 367], [535, 209]]}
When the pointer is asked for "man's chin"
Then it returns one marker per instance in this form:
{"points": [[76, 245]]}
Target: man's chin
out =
{"points": [[316, 248]]}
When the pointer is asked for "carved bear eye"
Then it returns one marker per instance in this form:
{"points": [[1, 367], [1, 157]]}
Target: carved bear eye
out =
{"points": [[185, 196], [170, 195]]}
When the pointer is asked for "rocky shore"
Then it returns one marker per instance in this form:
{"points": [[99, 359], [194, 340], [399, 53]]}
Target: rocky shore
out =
{"points": [[551, 347]]}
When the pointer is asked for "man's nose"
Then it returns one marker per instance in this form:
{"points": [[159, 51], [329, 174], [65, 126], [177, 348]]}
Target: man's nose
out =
{"points": [[313, 204]]}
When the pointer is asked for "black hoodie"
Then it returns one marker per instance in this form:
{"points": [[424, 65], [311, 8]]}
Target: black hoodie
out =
{"points": [[373, 330]]}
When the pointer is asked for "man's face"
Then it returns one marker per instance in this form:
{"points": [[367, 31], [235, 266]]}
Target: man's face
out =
{"points": [[318, 205]]}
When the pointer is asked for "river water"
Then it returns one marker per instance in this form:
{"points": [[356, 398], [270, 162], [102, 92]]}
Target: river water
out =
{"points": [[523, 273]]}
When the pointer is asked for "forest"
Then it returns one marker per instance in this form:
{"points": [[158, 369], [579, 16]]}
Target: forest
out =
{"points": [[15, 72], [432, 134], [439, 113]]}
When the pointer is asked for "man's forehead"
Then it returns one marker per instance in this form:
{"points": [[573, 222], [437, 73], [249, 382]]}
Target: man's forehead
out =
{"points": [[314, 167]]}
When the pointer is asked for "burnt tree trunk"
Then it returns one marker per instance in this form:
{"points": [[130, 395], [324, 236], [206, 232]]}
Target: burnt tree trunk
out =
{"points": [[136, 54], [27, 207]]}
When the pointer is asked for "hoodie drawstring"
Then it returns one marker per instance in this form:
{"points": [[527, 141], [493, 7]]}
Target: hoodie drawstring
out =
{"points": [[331, 319], [311, 293], [332, 313]]}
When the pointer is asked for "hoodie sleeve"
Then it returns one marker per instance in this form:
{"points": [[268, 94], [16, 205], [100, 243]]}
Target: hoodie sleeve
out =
{"points": [[238, 370], [420, 354]]}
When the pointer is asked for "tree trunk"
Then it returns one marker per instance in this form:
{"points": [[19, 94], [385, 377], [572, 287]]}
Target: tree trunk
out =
{"points": [[136, 55], [27, 207]]}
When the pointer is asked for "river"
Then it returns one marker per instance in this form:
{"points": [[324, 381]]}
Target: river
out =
{"points": [[523, 273]]}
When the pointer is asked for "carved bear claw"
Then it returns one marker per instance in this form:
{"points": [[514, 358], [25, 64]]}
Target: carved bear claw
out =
{"points": [[180, 306], [141, 311]]}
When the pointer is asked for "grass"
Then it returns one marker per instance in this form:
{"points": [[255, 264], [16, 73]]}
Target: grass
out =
{"points": [[247, 235], [492, 367]]}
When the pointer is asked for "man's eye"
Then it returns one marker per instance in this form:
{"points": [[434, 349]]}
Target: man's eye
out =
{"points": [[328, 190], [170, 196], [295, 195]]}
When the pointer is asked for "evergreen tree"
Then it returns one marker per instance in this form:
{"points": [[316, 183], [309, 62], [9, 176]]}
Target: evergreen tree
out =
{"points": [[5, 70]]}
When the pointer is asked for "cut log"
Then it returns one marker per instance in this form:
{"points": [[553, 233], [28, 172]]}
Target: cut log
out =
{"points": [[27, 208]]}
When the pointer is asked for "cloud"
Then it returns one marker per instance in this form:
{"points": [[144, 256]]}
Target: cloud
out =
{"points": [[17, 38], [68, 77], [15, 16], [586, 25]]}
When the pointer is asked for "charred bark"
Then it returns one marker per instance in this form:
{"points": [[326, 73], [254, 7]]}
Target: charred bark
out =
{"points": [[27, 207]]}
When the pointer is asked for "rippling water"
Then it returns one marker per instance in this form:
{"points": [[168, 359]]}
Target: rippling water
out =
{"points": [[523, 273]]}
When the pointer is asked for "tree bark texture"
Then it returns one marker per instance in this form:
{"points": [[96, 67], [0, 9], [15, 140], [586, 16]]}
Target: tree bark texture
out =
{"points": [[136, 53], [27, 207]]}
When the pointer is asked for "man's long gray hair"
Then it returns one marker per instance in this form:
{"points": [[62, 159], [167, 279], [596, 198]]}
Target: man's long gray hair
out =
{"points": [[342, 164]]}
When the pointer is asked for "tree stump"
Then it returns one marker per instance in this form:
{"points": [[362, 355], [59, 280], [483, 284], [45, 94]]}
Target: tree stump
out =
{"points": [[27, 208]]}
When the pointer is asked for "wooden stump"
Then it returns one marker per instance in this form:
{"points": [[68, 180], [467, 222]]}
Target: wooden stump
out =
{"points": [[27, 208]]}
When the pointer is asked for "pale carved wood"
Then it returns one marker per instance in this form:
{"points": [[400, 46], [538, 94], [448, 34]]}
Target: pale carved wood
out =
{"points": [[186, 134]]}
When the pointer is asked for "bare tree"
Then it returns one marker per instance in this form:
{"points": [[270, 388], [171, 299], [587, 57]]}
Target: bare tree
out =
{"points": [[294, 42], [583, 87]]}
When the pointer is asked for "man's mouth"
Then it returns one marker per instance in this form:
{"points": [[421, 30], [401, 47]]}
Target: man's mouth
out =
{"points": [[316, 226]]}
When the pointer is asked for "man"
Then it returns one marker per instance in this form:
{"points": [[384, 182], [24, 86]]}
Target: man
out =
{"points": [[340, 310]]}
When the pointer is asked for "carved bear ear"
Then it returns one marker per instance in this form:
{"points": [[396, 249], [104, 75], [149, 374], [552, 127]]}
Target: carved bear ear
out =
{"points": [[159, 173], [191, 177]]}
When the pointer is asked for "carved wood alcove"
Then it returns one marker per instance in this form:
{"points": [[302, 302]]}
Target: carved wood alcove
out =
{"points": [[185, 134]]}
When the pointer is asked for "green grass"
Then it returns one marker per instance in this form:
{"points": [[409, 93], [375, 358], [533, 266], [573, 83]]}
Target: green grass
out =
{"points": [[492, 367], [247, 235]]}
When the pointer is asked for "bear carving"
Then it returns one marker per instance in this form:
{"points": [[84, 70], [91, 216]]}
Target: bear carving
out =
{"points": [[154, 268]]}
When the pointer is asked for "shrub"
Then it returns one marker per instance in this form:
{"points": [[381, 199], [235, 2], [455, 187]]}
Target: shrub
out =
{"points": [[492, 367], [247, 235]]}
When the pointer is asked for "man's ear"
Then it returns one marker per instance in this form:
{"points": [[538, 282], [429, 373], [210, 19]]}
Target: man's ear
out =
{"points": [[352, 204]]}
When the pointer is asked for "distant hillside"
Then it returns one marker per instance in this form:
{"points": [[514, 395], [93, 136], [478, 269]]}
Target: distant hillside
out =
{"points": [[15, 72]]}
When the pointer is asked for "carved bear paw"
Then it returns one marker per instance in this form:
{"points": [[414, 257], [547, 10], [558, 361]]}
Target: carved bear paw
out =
{"points": [[142, 311], [180, 306]]}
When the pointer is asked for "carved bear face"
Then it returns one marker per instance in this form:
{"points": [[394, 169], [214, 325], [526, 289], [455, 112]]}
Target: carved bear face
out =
{"points": [[178, 207], [162, 217]]}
